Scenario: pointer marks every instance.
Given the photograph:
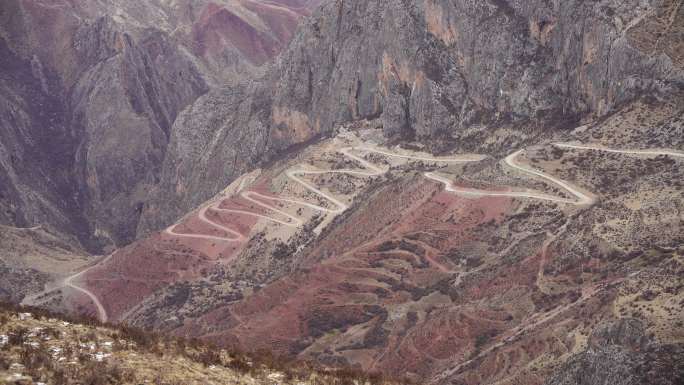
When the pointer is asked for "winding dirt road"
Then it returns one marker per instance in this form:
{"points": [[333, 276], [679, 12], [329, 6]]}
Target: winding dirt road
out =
{"points": [[296, 175], [34, 228], [202, 215], [68, 282], [581, 197], [369, 170], [292, 221]]}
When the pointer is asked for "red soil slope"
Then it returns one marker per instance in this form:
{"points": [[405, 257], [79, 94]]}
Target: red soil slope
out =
{"points": [[354, 282], [410, 280], [219, 28]]}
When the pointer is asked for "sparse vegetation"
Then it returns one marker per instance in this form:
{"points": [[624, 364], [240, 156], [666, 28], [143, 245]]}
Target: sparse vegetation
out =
{"points": [[38, 346]]}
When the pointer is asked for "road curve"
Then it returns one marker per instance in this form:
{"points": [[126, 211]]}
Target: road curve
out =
{"points": [[68, 282], [291, 221], [32, 300], [652, 152], [510, 160], [102, 313], [296, 175], [451, 159], [34, 228], [582, 198], [202, 215], [368, 170]]}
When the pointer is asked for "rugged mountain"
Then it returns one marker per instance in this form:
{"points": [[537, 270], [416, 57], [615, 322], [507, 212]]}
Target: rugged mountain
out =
{"points": [[101, 130], [90, 93], [435, 70], [544, 243]]}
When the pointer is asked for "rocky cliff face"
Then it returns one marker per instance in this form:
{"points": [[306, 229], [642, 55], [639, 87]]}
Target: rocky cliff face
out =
{"points": [[436, 68], [109, 78], [87, 122], [90, 94], [431, 70]]}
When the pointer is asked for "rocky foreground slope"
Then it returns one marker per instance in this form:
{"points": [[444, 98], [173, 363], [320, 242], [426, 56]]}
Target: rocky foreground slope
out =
{"points": [[37, 348]]}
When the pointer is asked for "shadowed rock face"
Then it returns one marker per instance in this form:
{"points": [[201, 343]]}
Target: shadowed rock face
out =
{"points": [[91, 91], [425, 69], [88, 113]]}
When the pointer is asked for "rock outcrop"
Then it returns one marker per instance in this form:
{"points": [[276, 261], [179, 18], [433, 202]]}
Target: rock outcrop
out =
{"points": [[109, 80], [620, 354], [86, 123], [429, 70], [90, 93]]}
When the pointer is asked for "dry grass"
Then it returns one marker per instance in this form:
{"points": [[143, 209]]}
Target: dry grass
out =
{"points": [[49, 348]]}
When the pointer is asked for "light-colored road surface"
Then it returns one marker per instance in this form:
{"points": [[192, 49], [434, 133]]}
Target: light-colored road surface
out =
{"points": [[369, 170], [202, 215], [651, 152], [451, 159], [581, 197], [69, 282], [101, 312], [292, 221], [34, 228], [296, 175]]}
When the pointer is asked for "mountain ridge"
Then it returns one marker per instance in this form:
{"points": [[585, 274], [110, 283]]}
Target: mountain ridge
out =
{"points": [[348, 63]]}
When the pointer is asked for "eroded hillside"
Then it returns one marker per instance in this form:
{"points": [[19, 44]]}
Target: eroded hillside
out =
{"points": [[458, 192], [91, 91], [486, 268], [448, 73]]}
